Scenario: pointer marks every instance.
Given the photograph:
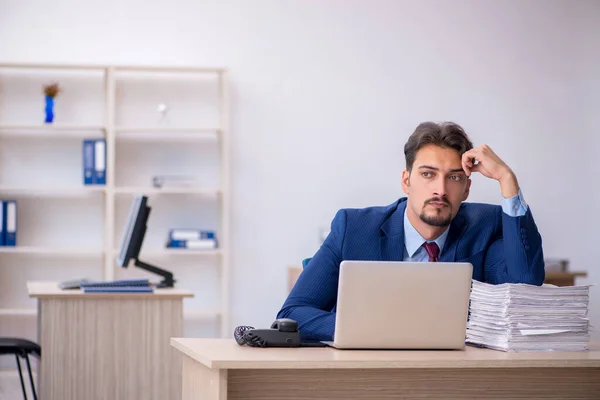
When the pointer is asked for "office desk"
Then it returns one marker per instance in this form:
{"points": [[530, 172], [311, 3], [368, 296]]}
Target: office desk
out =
{"points": [[220, 369], [563, 278], [108, 345]]}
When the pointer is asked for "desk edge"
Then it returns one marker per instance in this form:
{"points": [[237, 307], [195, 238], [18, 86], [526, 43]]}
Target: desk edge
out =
{"points": [[186, 351], [400, 365], [377, 364]]}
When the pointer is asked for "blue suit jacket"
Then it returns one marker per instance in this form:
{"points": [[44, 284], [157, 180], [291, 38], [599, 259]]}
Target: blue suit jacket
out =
{"points": [[500, 247]]}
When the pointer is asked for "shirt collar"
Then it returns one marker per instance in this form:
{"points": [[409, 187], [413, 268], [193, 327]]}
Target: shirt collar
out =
{"points": [[413, 239]]}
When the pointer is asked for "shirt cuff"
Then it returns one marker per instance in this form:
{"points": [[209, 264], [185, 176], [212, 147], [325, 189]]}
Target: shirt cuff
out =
{"points": [[515, 206]]}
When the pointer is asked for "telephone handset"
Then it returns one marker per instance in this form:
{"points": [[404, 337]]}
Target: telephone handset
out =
{"points": [[282, 333], [285, 325]]}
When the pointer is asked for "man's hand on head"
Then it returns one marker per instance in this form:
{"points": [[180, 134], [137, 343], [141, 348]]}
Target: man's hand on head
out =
{"points": [[482, 159]]}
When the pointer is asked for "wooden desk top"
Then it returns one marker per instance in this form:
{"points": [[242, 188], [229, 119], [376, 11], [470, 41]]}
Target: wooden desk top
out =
{"points": [[227, 354], [42, 289]]}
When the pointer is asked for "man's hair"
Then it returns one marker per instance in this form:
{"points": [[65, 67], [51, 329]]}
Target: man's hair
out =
{"points": [[446, 134]]}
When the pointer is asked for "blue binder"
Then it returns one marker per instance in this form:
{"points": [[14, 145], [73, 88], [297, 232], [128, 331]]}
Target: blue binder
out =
{"points": [[100, 162], [177, 243], [200, 244], [10, 217], [2, 224], [88, 162]]}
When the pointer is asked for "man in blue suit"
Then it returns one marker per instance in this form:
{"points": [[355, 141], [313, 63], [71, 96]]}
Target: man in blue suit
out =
{"points": [[431, 224]]}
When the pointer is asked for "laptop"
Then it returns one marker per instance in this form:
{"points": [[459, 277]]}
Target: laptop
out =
{"points": [[402, 305]]}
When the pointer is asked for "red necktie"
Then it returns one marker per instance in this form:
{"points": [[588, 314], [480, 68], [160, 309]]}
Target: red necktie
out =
{"points": [[433, 250]]}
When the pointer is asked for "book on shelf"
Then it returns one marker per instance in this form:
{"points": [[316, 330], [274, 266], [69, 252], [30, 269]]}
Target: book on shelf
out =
{"points": [[202, 244], [2, 224], [94, 161], [8, 223], [88, 162], [173, 181], [190, 234], [196, 239]]}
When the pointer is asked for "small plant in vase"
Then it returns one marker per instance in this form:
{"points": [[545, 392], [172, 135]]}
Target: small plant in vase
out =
{"points": [[50, 92]]}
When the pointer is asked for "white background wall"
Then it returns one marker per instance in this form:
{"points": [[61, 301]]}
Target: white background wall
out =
{"points": [[326, 93]]}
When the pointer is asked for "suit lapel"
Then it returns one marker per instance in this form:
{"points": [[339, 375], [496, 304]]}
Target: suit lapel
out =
{"points": [[392, 243], [457, 228]]}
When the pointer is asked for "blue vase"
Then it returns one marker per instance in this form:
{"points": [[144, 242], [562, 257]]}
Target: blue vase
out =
{"points": [[49, 110]]}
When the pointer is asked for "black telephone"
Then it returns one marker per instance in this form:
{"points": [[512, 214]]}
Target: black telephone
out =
{"points": [[283, 333]]}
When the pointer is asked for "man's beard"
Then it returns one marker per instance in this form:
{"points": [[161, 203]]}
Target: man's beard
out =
{"points": [[436, 220]]}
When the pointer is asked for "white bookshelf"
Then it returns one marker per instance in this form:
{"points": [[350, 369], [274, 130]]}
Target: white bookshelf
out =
{"points": [[67, 230]]}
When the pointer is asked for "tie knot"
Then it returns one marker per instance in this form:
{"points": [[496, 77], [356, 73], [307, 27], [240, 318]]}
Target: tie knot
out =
{"points": [[433, 250]]}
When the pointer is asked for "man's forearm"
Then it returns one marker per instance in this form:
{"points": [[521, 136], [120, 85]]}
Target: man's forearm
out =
{"points": [[523, 250], [313, 324]]}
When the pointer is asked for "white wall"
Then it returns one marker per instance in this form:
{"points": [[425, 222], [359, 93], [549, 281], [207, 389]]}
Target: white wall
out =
{"points": [[326, 94], [587, 98]]}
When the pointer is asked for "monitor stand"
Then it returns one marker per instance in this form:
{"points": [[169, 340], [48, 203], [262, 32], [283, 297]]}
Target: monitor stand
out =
{"points": [[167, 282]]}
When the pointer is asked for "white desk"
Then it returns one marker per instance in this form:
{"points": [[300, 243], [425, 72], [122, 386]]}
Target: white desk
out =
{"points": [[108, 345]]}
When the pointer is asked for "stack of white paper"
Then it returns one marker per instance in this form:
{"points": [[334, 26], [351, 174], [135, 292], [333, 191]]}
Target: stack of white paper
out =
{"points": [[519, 317]]}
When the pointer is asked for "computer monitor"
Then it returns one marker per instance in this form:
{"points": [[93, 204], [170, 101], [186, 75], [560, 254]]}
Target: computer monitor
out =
{"points": [[133, 236]]}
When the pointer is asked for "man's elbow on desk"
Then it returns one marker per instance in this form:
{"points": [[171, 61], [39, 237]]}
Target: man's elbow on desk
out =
{"points": [[313, 324]]}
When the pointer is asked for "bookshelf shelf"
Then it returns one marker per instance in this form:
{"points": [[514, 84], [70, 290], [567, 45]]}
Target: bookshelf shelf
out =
{"points": [[167, 252], [168, 136], [174, 69], [41, 167], [52, 192], [167, 130], [40, 132], [189, 252], [51, 251], [167, 190], [51, 128], [58, 67], [28, 312]]}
